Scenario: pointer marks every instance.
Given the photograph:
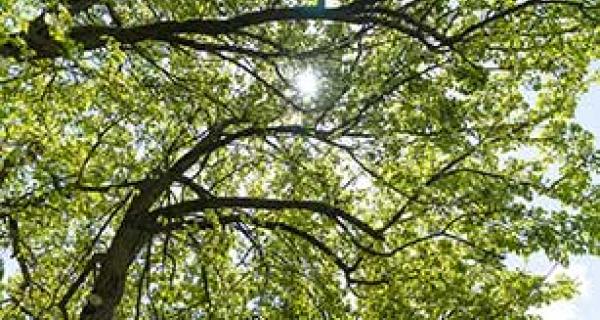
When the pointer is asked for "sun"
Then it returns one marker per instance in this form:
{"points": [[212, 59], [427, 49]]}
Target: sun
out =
{"points": [[307, 83]]}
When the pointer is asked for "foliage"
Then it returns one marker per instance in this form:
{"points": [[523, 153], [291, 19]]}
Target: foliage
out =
{"points": [[158, 160]]}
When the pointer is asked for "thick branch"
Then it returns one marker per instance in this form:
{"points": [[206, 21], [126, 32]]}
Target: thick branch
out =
{"points": [[95, 36], [184, 208], [109, 286]]}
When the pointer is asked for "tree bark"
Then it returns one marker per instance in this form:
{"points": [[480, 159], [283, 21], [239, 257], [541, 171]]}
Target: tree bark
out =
{"points": [[134, 231]]}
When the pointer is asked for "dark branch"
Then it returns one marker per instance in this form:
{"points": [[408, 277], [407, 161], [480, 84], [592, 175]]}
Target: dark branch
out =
{"points": [[185, 208]]}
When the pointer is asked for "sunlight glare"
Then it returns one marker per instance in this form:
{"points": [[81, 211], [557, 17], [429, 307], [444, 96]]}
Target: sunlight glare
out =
{"points": [[307, 83]]}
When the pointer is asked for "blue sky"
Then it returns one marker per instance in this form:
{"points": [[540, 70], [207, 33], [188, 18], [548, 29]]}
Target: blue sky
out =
{"points": [[586, 270]]}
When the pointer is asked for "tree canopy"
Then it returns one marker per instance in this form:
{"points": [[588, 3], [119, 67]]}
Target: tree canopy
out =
{"points": [[160, 159]]}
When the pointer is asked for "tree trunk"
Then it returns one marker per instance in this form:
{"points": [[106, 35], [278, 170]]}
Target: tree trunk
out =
{"points": [[109, 286]]}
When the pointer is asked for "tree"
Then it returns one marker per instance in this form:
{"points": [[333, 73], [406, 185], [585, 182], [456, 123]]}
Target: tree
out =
{"points": [[159, 161]]}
